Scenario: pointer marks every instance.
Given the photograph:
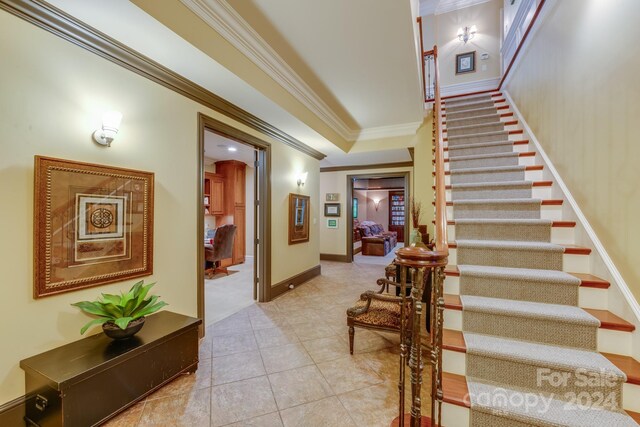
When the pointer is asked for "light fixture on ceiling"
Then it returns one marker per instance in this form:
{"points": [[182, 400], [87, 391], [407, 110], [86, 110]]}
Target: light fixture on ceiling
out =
{"points": [[467, 33], [302, 178], [232, 149], [110, 126]]}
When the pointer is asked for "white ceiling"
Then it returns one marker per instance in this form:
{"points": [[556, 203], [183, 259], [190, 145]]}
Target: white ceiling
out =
{"points": [[216, 148], [437, 7], [360, 52]]}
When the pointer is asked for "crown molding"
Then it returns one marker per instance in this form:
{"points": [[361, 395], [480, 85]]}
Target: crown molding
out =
{"points": [[220, 16], [389, 131]]}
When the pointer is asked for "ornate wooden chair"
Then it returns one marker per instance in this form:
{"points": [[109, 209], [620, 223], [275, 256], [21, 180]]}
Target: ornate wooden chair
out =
{"points": [[379, 311]]}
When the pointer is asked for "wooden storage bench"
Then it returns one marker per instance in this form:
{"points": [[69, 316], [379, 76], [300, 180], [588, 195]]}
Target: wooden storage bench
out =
{"points": [[86, 382]]}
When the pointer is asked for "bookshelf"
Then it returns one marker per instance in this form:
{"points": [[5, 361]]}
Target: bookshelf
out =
{"points": [[397, 213]]}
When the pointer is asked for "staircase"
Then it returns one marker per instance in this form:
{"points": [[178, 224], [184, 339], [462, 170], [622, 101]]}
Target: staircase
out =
{"points": [[528, 339]]}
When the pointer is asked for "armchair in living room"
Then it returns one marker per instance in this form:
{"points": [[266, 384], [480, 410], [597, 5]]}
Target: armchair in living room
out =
{"points": [[379, 311]]}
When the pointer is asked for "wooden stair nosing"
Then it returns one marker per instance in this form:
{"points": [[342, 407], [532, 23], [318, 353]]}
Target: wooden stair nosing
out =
{"points": [[586, 280], [534, 184], [545, 202], [523, 154], [607, 319], [453, 340], [568, 249], [526, 168]]}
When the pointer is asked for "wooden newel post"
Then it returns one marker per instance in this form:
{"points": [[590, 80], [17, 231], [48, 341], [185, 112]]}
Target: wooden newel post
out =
{"points": [[426, 269]]}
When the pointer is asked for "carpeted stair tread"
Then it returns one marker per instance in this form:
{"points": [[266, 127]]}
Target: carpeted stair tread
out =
{"points": [[488, 169], [483, 116], [500, 406], [487, 110], [527, 201], [480, 185], [509, 245], [519, 274], [484, 156], [478, 134], [541, 355], [501, 142], [557, 312]]}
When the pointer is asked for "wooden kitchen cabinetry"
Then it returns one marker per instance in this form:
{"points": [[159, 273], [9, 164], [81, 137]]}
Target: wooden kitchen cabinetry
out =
{"points": [[213, 194], [234, 177]]}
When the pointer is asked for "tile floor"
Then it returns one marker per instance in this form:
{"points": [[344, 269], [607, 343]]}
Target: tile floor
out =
{"points": [[286, 363]]}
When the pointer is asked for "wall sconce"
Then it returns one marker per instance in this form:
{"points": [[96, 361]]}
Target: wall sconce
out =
{"points": [[110, 126], [467, 33], [376, 203], [302, 178]]}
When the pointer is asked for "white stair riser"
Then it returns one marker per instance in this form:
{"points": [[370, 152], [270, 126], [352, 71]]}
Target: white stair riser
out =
{"points": [[454, 362], [522, 161], [552, 212], [559, 235], [570, 263], [528, 176], [587, 297], [455, 416], [536, 193], [616, 342], [631, 392]]}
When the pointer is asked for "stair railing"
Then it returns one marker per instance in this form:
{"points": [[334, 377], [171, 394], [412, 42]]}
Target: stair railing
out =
{"points": [[425, 266]]}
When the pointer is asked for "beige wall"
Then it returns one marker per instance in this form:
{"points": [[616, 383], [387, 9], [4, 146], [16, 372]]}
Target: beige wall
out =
{"points": [[441, 30], [52, 95], [578, 87]]}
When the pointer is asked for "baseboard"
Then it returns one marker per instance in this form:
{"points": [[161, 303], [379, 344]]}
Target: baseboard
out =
{"points": [[284, 286], [357, 250], [335, 257], [12, 413]]}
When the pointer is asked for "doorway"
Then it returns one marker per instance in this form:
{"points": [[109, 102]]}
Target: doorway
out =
{"points": [[377, 204], [234, 197]]}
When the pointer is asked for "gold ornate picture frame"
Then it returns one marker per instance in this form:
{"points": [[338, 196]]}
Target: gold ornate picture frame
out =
{"points": [[93, 225]]}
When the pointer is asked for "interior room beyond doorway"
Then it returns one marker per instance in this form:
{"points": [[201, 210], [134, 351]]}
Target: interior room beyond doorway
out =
{"points": [[379, 218], [229, 224]]}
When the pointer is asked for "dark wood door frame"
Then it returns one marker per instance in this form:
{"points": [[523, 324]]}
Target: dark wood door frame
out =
{"points": [[349, 203], [262, 259]]}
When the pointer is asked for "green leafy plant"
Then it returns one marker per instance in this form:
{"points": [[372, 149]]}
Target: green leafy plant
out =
{"points": [[121, 309]]}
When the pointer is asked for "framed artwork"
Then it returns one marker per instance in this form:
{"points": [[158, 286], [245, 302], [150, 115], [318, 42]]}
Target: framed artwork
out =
{"points": [[355, 208], [332, 223], [332, 197], [298, 218], [93, 225], [466, 62], [332, 209]]}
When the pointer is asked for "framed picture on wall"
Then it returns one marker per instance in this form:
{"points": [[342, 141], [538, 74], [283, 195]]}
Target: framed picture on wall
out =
{"points": [[355, 208], [466, 62], [93, 225], [298, 218], [332, 209], [332, 223], [332, 197]]}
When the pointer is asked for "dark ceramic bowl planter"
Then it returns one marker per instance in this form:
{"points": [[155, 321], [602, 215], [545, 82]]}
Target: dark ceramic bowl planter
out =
{"points": [[113, 331]]}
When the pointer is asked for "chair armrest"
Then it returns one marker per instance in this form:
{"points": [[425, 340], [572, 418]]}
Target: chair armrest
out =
{"points": [[384, 282], [368, 296]]}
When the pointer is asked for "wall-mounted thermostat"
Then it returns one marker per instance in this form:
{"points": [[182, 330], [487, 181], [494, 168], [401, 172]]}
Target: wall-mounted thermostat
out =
{"points": [[484, 56]]}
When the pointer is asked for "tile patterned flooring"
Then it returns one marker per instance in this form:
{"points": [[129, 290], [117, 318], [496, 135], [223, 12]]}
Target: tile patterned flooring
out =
{"points": [[286, 364]]}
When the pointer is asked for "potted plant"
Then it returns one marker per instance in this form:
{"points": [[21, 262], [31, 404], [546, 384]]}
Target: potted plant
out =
{"points": [[121, 316], [416, 208]]}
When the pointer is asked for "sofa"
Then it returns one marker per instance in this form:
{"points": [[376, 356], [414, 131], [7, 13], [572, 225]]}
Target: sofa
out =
{"points": [[376, 241]]}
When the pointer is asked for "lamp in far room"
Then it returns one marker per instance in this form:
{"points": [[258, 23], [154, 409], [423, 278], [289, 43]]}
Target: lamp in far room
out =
{"points": [[466, 33], [376, 203], [110, 126]]}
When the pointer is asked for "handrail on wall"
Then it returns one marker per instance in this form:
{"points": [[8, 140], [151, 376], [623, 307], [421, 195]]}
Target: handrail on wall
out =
{"points": [[426, 267]]}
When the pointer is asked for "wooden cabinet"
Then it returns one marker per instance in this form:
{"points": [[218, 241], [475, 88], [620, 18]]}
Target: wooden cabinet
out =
{"points": [[213, 194], [234, 177]]}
